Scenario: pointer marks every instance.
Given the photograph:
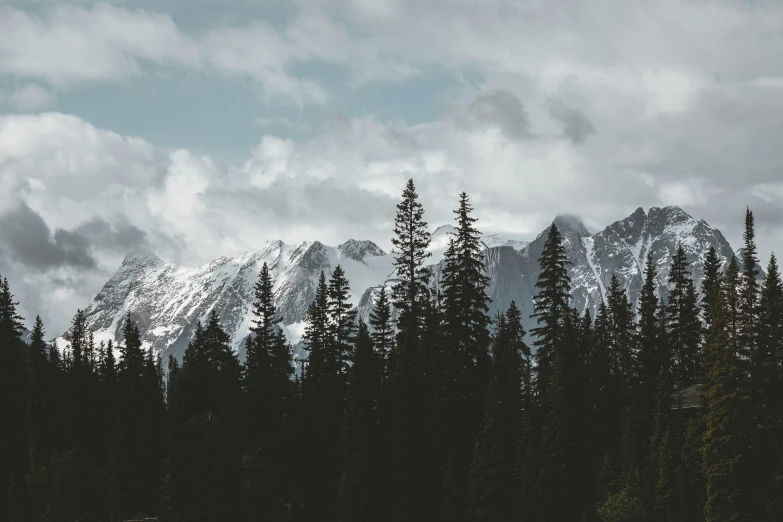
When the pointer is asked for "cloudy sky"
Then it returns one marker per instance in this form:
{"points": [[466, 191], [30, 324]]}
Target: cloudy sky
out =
{"points": [[203, 128]]}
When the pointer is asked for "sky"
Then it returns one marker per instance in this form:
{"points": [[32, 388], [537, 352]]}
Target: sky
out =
{"points": [[200, 128]]}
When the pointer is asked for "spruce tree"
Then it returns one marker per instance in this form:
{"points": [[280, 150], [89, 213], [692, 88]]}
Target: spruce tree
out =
{"points": [[605, 400], [564, 467], [382, 337], [204, 478], [493, 481], [342, 317], [81, 403], [40, 398], [767, 375], [691, 476], [749, 288], [322, 396], [466, 338], [730, 297], [526, 449], [682, 320], [647, 368], [710, 284], [410, 242], [358, 493], [268, 397], [451, 504], [13, 396], [133, 467], [623, 334], [724, 402], [551, 303], [662, 471], [382, 329]]}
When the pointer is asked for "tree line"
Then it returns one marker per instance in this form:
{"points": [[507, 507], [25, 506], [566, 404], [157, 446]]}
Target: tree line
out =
{"points": [[435, 411]]}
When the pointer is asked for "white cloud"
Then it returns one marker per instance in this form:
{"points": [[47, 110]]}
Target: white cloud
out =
{"points": [[603, 107], [72, 44]]}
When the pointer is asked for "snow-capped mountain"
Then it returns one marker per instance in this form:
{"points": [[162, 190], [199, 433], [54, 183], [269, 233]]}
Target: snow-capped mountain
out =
{"points": [[167, 300], [621, 248]]}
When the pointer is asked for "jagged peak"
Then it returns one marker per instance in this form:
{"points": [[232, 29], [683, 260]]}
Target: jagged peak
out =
{"points": [[359, 249], [274, 243], [670, 211], [572, 223], [141, 256], [444, 230]]}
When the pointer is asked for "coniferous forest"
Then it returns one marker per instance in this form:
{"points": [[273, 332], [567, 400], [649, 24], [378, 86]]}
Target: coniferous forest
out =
{"points": [[435, 411]]}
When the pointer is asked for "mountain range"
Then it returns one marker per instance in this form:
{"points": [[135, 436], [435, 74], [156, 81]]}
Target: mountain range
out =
{"points": [[167, 300]]}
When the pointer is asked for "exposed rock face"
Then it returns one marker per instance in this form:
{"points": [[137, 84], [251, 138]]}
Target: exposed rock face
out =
{"points": [[621, 248], [168, 300]]}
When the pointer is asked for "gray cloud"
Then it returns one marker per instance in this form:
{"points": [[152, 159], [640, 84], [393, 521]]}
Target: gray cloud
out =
{"points": [[27, 238], [118, 236], [576, 126], [501, 109], [669, 133], [302, 203]]}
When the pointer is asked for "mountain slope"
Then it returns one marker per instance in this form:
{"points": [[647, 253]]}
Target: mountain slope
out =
{"points": [[167, 300], [621, 248]]}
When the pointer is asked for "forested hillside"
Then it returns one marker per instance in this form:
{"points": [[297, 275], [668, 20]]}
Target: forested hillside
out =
{"points": [[670, 410]]}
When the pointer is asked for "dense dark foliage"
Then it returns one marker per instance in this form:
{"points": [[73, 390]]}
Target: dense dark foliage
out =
{"points": [[672, 411]]}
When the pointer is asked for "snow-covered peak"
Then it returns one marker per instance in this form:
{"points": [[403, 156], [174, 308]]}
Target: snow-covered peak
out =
{"points": [[439, 242], [572, 223], [358, 250], [141, 257], [168, 300]]}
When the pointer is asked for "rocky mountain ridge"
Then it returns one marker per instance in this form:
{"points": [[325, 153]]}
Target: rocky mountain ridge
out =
{"points": [[167, 300]]}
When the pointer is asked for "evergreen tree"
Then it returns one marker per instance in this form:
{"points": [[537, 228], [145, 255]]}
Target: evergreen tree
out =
{"points": [[322, 395], [749, 288], [526, 451], [605, 400], [622, 335], [451, 505], [466, 339], [663, 466], [710, 284], [493, 481], [268, 395], [667, 498], [730, 297], [682, 319], [133, 467], [551, 303], [725, 399], [12, 393], [691, 477], [358, 493], [410, 242], [647, 368], [204, 479], [407, 373], [382, 337], [81, 400], [264, 310], [768, 447], [40, 400], [564, 468], [382, 329], [341, 316]]}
